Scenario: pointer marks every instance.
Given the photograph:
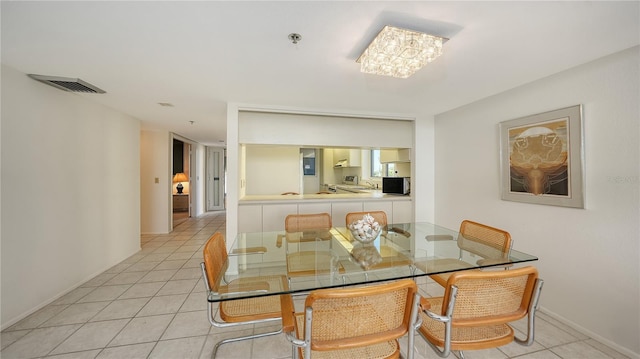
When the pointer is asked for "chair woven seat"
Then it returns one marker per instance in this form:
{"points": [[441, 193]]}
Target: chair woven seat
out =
{"points": [[309, 227], [492, 244], [242, 310], [477, 307], [308, 236], [388, 349], [308, 222], [363, 322], [309, 263], [234, 312], [439, 265], [434, 331]]}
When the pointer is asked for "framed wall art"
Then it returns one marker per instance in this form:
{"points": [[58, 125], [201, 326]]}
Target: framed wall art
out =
{"points": [[541, 158]]}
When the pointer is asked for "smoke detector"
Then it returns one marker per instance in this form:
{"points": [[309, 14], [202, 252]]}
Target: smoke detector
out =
{"points": [[67, 84], [295, 37]]}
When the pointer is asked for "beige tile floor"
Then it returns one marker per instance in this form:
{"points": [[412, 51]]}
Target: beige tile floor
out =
{"points": [[152, 305]]}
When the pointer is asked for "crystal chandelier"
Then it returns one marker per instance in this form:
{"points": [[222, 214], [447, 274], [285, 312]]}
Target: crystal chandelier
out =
{"points": [[399, 53]]}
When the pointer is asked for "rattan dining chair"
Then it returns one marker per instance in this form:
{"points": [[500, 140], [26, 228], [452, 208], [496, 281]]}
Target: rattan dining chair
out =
{"points": [[311, 227], [476, 310], [307, 222], [306, 228], [237, 312], [379, 216], [490, 243], [363, 322]]}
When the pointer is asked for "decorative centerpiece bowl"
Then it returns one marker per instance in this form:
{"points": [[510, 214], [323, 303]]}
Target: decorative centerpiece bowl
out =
{"points": [[365, 255], [365, 230]]}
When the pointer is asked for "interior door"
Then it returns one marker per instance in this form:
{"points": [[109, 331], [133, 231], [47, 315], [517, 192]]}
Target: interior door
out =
{"points": [[215, 174]]}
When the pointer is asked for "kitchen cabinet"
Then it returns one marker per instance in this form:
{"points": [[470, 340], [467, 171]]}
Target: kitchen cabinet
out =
{"points": [[307, 208], [387, 156], [270, 217], [339, 211], [352, 156], [265, 218], [404, 155], [396, 155], [250, 218], [402, 212], [384, 206], [273, 216]]}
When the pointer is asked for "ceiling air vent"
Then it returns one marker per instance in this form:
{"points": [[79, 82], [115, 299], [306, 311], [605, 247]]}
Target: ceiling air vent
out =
{"points": [[67, 84]]}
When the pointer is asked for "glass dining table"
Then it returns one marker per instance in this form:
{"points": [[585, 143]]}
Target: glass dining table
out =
{"points": [[332, 258]]}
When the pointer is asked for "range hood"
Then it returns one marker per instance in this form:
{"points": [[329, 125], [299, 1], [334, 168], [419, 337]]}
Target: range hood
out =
{"points": [[342, 163]]}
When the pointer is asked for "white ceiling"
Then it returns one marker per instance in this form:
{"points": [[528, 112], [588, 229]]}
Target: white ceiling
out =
{"points": [[200, 55]]}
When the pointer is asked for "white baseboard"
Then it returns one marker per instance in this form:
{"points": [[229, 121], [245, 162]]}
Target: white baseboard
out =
{"points": [[590, 334], [57, 296]]}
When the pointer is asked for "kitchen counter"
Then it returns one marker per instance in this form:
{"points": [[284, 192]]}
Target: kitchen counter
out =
{"points": [[268, 212], [353, 188], [362, 195]]}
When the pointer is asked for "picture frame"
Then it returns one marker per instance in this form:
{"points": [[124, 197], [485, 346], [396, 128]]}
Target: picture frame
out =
{"points": [[541, 158]]}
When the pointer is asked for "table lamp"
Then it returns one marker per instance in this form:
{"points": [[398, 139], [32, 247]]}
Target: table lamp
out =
{"points": [[180, 177]]}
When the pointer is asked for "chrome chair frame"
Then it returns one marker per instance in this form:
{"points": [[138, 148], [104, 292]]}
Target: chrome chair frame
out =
{"points": [[305, 343], [211, 310], [211, 314], [447, 318]]}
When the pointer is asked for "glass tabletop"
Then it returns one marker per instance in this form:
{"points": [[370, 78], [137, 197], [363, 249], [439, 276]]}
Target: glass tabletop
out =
{"points": [[271, 263]]}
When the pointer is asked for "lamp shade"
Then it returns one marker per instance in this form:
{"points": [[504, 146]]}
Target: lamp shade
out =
{"points": [[180, 177]]}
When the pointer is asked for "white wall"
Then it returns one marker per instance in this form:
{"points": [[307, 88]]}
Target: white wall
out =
{"points": [[199, 170], [70, 192], [422, 178], [322, 130], [588, 257], [235, 173], [272, 169], [155, 162]]}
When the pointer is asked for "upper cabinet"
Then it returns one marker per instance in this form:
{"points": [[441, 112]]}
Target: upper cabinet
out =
{"points": [[395, 155], [404, 155], [347, 157]]}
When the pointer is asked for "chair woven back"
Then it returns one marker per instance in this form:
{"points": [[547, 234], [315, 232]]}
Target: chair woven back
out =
{"points": [[215, 260], [483, 240], [490, 297], [379, 216], [355, 317], [307, 222]]}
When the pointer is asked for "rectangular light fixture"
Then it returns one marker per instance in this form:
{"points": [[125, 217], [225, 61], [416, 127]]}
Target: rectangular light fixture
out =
{"points": [[399, 52]]}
